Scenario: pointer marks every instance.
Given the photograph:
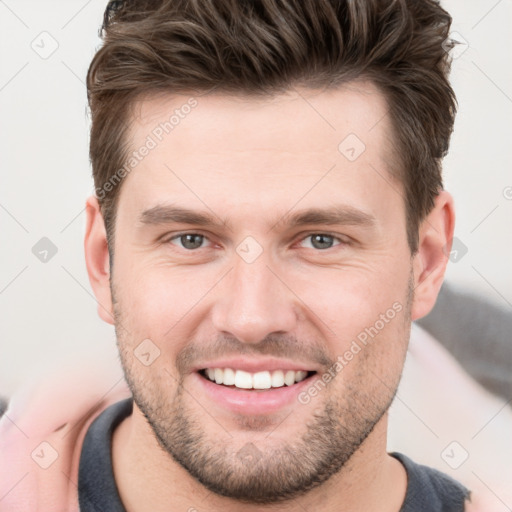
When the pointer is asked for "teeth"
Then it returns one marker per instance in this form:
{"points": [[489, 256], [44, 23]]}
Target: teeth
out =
{"points": [[289, 378], [277, 379], [229, 377], [242, 379], [300, 375], [259, 380]]}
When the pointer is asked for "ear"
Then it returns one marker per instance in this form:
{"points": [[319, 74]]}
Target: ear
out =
{"points": [[97, 259], [429, 264]]}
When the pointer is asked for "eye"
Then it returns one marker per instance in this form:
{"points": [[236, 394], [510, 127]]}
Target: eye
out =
{"points": [[322, 241], [189, 241]]}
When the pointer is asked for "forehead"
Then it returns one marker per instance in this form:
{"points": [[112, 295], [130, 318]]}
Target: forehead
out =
{"points": [[355, 108], [238, 150]]}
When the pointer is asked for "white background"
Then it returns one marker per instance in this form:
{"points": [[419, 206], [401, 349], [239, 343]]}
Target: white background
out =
{"points": [[47, 309]]}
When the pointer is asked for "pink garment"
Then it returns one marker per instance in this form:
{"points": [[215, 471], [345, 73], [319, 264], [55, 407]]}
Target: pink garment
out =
{"points": [[41, 436]]}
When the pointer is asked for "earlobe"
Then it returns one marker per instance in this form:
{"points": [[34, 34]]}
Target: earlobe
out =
{"points": [[97, 259], [435, 240]]}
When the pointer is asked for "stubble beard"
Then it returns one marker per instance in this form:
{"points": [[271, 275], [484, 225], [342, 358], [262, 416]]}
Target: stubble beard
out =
{"points": [[259, 472]]}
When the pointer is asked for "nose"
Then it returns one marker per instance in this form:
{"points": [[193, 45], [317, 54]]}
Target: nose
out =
{"points": [[254, 302]]}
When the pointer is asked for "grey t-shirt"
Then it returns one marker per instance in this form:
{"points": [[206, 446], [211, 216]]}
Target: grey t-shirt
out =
{"points": [[428, 490]]}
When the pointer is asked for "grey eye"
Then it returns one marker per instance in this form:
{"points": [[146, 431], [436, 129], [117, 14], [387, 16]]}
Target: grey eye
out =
{"points": [[191, 240], [320, 241]]}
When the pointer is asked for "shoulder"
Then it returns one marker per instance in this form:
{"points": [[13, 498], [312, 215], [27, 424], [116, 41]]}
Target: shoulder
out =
{"points": [[426, 485], [42, 432]]}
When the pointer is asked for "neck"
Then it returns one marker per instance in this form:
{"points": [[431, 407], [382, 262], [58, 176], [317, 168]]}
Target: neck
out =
{"points": [[149, 479]]}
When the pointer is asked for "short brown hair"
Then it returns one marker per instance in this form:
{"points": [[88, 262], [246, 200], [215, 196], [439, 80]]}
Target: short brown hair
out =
{"points": [[264, 47]]}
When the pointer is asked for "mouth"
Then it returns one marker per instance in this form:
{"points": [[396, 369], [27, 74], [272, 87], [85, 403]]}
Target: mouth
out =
{"points": [[266, 380], [246, 387]]}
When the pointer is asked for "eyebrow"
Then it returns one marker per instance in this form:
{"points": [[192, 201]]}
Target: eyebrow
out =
{"points": [[335, 215]]}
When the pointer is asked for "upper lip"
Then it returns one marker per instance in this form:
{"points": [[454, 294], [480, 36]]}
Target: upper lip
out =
{"points": [[257, 365]]}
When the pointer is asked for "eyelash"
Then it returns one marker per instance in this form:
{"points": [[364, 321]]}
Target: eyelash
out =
{"points": [[334, 237]]}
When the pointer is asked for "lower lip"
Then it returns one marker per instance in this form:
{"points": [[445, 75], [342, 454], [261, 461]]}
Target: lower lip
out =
{"points": [[252, 402]]}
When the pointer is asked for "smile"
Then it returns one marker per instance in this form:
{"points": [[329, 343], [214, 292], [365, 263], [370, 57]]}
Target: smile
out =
{"points": [[253, 386], [259, 380]]}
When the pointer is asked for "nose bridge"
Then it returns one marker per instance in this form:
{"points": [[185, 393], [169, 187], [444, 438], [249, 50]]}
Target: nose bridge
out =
{"points": [[252, 284], [253, 302]]}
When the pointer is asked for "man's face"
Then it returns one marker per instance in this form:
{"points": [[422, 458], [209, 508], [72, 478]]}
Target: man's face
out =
{"points": [[257, 293]]}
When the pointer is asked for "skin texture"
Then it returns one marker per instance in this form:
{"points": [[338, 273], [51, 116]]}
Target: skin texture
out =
{"points": [[251, 164]]}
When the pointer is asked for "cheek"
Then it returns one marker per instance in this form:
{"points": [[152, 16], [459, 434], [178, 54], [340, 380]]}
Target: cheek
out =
{"points": [[158, 301], [369, 351], [364, 320], [349, 300]]}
